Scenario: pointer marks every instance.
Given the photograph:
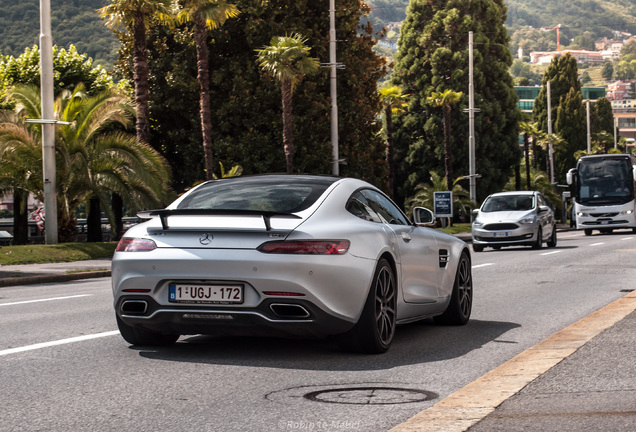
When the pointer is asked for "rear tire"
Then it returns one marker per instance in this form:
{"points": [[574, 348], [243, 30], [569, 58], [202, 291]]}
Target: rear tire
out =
{"points": [[142, 337], [553, 238], [461, 303], [374, 331]]}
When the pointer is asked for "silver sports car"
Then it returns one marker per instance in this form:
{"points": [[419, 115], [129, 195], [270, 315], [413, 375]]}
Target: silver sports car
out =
{"points": [[290, 255]]}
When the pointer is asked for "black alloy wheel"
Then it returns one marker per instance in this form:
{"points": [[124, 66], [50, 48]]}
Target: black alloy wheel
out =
{"points": [[385, 304], [461, 303], [374, 331]]}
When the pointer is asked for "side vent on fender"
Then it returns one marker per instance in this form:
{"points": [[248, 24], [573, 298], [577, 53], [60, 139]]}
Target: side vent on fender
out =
{"points": [[443, 258]]}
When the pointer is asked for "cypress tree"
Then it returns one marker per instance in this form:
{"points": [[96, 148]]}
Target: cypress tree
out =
{"points": [[570, 126], [433, 57]]}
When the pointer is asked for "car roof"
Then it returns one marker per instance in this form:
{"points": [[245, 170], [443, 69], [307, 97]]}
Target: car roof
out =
{"points": [[513, 193]]}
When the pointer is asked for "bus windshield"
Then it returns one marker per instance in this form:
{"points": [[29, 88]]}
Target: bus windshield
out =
{"points": [[605, 181]]}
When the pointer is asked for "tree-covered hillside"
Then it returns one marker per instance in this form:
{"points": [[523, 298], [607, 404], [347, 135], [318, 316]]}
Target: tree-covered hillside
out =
{"points": [[582, 22], [72, 21]]}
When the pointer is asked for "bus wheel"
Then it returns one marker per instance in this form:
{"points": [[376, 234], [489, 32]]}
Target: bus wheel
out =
{"points": [[588, 232]]}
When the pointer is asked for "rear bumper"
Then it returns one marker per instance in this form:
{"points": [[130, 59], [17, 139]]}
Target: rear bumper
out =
{"points": [[272, 317]]}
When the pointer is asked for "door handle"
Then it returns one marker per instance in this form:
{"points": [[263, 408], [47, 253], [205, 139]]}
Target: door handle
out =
{"points": [[406, 237]]}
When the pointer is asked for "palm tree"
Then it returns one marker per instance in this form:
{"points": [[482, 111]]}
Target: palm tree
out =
{"points": [[394, 102], [20, 169], [94, 155], [133, 15], [287, 59], [445, 99], [205, 14], [528, 130], [425, 193]]}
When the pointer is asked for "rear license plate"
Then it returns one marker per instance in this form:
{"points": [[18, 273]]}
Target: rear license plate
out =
{"points": [[205, 294]]}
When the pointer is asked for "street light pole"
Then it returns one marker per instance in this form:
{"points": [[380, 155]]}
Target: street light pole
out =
{"points": [[335, 169], [471, 123], [48, 123], [589, 136], [550, 150]]}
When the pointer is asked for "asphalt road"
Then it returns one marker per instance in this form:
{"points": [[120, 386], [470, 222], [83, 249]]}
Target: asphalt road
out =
{"points": [[63, 367]]}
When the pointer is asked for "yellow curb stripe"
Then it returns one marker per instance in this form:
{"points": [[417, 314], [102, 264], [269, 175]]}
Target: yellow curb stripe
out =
{"points": [[469, 405]]}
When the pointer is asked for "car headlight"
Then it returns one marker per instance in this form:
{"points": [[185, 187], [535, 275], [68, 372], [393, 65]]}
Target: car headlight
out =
{"points": [[477, 223], [582, 214], [527, 220], [627, 212]]}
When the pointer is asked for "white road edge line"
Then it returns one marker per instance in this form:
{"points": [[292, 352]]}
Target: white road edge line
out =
{"points": [[553, 252], [57, 342], [483, 265], [47, 299]]}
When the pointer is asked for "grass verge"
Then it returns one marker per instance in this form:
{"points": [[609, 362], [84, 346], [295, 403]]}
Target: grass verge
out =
{"points": [[66, 252], [63, 252], [457, 228]]}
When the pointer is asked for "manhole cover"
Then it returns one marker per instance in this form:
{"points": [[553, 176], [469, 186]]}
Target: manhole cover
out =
{"points": [[370, 395]]}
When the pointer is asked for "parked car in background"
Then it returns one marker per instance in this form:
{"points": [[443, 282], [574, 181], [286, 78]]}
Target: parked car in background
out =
{"points": [[520, 218], [287, 255]]}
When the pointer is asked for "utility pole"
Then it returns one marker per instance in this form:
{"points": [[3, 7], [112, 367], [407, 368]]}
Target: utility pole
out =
{"points": [[472, 175], [48, 123], [615, 130], [589, 134], [550, 150], [335, 169]]}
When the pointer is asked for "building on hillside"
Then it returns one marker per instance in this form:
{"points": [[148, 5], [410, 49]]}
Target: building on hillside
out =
{"points": [[527, 95], [606, 44], [581, 56], [623, 103], [620, 90]]}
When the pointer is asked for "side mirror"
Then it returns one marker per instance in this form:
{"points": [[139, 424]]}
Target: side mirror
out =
{"points": [[569, 177], [423, 217], [475, 212], [543, 209]]}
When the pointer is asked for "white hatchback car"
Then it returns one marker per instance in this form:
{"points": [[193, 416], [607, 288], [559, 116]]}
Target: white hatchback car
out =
{"points": [[520, 218]]}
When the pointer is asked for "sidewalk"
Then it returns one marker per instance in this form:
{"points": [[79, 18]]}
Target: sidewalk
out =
{"points": [[582, 378], [27, 274], [593, 389]]}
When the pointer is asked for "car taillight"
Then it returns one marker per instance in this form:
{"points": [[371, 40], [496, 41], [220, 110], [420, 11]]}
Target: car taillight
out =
{"points": [[135, 245], [312, 247]]}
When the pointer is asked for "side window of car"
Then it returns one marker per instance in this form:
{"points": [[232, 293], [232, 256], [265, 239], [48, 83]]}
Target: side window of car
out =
{"points": [[542, 200], [358, 206], [384, 208]]}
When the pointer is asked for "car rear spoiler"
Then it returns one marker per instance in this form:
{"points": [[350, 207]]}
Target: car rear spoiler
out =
{"points": [[164, 214]]}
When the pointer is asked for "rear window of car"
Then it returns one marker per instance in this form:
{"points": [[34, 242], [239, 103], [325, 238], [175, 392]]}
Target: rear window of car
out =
{"points": [[280, 194], [508, 203]]}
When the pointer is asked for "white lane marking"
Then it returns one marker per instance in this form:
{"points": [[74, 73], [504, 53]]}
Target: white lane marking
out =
{"points": [[597, 244], [483, 265], [57, 342], [627, 238], [47, 299], [553, 252]]}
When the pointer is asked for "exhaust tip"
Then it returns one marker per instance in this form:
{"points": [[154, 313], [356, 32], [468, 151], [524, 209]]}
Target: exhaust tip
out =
{"points": [[289, 311], [137, 307]]}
